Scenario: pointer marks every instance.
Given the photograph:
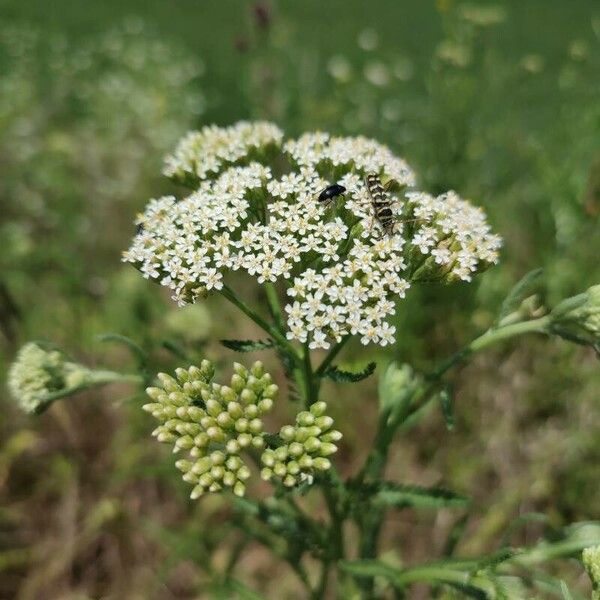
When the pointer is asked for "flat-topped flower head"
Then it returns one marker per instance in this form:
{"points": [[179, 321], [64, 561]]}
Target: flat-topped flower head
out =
{"points": [[254, 208]]}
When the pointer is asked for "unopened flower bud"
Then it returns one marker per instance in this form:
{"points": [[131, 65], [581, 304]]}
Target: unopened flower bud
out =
{"points": [[579, 316], [591, 562]]}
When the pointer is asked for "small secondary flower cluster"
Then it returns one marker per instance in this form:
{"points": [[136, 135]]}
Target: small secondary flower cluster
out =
{"points": [[305, 448], [212, 422], [341, 271], [38, 376], [207, 152]]}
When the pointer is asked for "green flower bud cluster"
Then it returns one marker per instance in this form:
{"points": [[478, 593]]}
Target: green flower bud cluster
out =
{"points": [[212, 422], [591, 562], [39, 376], [306, 446], [580, 315]]}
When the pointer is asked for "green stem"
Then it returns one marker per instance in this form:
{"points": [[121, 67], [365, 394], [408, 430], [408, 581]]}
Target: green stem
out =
{"points": [[418, 400], [331, 356], [273, 301], [93, 379], [230, 295], [309, 378]]}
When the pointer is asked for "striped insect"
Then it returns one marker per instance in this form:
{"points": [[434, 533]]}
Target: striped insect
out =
{"points": [[381, 202]]}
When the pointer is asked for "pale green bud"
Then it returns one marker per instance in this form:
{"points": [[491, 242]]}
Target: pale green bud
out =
{"points": [[228, 394], [201, 440], [197, 492], [248, 396], [255, 426], [235, 410], [266, 473], [239, 489], [279, 469], [324, 422], [207, 369], [268, 458], [591, 562], [296, 449], [270, 391], [243, 473], [253, 383], [237, 383], [332, 436], [190, 477], [206, 480], [213, 407], [166, 437], [195, 413], [229, 479], [265, 405], [257, 369], [241, 425], [169, 384], [154, 408], [289, 481], [217, 472], [258, 442], [579, 316], [280, 453], [207, 422], [244, 440], [182, 375], [240, 370], [184, 442], [184, 465], [217, 457], [327, 449], [305, 462], [156, 394], [266, 380], [194, 373], [322, 464], [224, 420], [396, 385], [215, 434], [232, 446], [251, 411], [318, 408], [287, 432], [293, 467], [312, 445], [202, 465]]}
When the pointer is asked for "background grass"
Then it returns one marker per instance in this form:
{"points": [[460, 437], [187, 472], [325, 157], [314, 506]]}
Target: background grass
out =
{"points": [[93, 94]]}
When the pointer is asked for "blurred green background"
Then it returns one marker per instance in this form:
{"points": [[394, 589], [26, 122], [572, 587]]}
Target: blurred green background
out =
{"points": [[499, 101]]}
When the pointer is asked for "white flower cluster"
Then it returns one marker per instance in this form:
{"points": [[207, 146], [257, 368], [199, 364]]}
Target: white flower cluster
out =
{"points": [[340, 271], [453, 232], [208, 151], [319, 150]]}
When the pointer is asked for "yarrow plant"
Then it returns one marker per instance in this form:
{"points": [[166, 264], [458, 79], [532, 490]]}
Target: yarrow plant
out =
{"points": [[255, 209], [331, 270]]}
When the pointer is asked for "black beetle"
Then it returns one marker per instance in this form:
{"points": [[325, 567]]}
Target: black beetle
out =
{"points": [[330, 193]]}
